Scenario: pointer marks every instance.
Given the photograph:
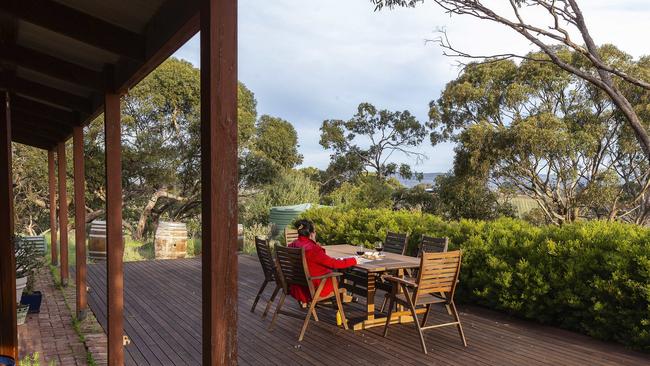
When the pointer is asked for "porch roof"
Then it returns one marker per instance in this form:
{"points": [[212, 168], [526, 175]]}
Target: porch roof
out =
{"points": [[58, 57]]}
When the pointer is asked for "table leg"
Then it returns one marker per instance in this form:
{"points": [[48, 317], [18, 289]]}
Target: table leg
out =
{"points": [[370, 302]]}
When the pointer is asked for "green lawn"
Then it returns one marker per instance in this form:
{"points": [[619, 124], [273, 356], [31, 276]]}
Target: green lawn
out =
{"points": [[133, 250]]}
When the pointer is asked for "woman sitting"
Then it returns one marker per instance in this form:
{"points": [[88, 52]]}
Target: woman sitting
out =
{"points": [[318, 262]]}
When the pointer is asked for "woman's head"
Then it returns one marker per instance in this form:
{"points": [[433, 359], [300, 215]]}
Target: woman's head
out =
{"points": [[304, 227]]}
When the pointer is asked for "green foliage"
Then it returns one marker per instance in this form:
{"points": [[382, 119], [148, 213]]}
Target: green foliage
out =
{"points": [[592, 277], [467, 198], [273, 150], [252, 231], [290, 188], [537, 130], [364, 192], [415, 199], [278, 140]]}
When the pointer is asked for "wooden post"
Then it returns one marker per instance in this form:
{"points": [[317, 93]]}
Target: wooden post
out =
{"points": [[63, 213], [51, 176], [8, 328], [79, 220], [219, 180], [114, 239]]}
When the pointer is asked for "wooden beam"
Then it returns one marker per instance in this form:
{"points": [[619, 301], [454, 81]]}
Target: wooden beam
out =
{"points": [[114, 238], [80, 220], [36, 108], [27, 128], [77, 25], [8, 328], [63, 212], [219, 180], [51, 175], [21, 115], [171, 27], [33, 125], [52, 95], [27, 138], [52, 66]]}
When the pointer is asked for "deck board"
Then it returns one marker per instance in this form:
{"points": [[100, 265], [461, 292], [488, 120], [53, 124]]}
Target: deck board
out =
{"points": [[163, 321]]}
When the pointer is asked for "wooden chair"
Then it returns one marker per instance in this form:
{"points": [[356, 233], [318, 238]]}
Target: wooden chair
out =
{"points": [[293, 270], [268, 267], [428, 244], [438, 273], [396, 243], [290, 235]]}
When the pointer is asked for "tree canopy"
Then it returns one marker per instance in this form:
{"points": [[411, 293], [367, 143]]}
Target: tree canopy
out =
{"points": [[368, 140], [532, 129]]}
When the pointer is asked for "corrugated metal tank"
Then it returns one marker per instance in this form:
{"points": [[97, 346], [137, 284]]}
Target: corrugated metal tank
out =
{"points": [[282, 216]]}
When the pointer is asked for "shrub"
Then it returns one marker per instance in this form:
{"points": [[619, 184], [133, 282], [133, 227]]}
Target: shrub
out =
{"points": [[592, 277], [291, 188]]}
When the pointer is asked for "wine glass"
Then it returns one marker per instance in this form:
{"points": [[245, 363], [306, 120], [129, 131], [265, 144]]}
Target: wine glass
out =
{"points": [[379, 247], [360, 250]]}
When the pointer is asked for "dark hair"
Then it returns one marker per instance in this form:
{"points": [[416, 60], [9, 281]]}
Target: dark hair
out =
{"points": [[304, 227]]}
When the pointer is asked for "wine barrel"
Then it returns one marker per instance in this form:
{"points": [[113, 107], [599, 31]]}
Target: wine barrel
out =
{"points": [[171, 240], [97, 241]]}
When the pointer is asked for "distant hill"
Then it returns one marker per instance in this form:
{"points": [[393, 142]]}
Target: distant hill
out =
{"points": [[429, 178]]}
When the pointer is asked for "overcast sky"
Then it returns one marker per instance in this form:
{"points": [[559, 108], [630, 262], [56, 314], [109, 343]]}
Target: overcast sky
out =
{"points": [[307, 61]]}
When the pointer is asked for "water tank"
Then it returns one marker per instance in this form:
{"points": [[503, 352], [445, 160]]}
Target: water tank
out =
{"points": [[282, 216]]}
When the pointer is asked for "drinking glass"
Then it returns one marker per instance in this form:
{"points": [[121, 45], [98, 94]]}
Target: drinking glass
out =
{"points": [[379, 247], [360, 250]]}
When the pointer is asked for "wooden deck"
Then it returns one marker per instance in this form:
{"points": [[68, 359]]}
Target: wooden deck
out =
{"points": [[163, 321]]}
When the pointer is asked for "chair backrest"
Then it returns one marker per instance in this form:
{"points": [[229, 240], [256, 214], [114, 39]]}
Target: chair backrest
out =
{"points": [[290, 235], [430, 244], [266, 258], [395, 243], [438, 273], [292, 267]]}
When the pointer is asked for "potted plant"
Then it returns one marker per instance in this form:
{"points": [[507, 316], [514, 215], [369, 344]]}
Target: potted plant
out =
{"points": [[28, 262], [30, 297]]}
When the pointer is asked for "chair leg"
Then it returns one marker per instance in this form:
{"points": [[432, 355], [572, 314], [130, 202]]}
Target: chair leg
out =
{"points": [[259, 294], [460, 327], [444, 296], [426, 316], [383, 304], [311, 310], [339, 303], [415, 320], [315, 314], [277, 310], [270, 302], [391, 305]]}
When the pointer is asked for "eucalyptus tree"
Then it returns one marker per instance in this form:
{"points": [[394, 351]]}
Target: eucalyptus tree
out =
{"points": [[545, 24], [533, 129], [369, 140]]}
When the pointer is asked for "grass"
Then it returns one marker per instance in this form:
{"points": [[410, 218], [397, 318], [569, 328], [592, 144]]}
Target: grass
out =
{"points": [[133, 250]]}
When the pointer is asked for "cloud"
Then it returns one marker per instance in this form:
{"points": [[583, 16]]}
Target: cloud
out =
{"points": [[307, 61]]}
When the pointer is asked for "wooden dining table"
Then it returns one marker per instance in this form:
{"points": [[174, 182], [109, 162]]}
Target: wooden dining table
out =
{"points": [[373, 270]]}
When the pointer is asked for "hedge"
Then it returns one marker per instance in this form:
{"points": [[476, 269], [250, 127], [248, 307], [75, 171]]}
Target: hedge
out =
{"points": [[592, 277]]}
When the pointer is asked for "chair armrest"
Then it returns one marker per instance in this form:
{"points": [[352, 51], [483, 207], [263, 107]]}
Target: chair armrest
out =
{"points": [[398, 280], [329, 275]]}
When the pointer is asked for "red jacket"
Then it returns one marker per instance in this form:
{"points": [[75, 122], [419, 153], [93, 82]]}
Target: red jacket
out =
{"points": [[319, 264]]}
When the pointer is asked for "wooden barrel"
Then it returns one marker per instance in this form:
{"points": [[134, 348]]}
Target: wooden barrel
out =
{"points": [[97, 241], [171, 240]]}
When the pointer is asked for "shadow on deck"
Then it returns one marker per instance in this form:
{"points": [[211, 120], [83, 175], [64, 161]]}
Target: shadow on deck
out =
{"points": [[163, 321]]}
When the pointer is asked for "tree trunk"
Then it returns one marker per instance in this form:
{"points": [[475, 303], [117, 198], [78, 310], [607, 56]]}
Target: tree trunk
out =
{"points": [[138, 234]]}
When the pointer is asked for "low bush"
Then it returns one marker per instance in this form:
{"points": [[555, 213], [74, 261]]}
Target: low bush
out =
{"points": [[592, 277]]}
